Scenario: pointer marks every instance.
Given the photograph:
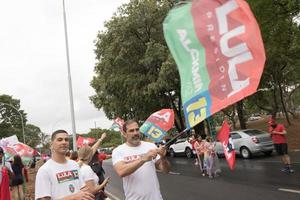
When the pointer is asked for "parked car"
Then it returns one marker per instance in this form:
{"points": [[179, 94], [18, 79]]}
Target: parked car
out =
{"points": [[254, 117], [248, 142], [181, 146]]}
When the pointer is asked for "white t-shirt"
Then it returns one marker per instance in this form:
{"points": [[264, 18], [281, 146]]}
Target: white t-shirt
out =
{"points": [[88, 174], [57, 180], [143, 183]]}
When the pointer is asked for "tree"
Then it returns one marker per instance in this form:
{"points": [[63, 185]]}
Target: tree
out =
{"points": [[32, 135], [135, 73], [11, 117], [281, 35]]}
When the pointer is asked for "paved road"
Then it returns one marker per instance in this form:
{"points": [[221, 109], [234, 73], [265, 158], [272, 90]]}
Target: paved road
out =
{"points": [[257, 178]]}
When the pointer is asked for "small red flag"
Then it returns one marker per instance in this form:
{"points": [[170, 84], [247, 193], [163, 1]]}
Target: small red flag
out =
{"points": [[81, 141], [225, 139]]}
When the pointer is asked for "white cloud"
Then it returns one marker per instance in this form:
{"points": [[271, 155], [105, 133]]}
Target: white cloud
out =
{"points": [[33, 59]]}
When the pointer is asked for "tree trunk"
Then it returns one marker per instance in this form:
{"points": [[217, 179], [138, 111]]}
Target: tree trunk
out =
{"points": [[240, 111], [200, 129], [178, 117], [282, 103]]}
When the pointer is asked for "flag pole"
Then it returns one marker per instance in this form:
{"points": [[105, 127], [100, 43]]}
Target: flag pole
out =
{"points": [[172, 140]]}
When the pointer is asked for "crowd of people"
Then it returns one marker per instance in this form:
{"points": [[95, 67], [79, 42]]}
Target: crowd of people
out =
{"points": [[205, 155], [65, 176], [79, 175]]}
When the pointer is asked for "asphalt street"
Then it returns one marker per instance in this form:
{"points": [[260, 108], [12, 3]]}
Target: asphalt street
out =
{"points": [[256, 178]]}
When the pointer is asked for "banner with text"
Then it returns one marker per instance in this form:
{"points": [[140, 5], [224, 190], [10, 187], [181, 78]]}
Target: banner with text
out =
{"points": [[219, 53]]}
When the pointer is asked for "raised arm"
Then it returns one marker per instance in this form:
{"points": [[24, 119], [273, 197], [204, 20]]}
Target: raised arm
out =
{"points": [[97, 144]]}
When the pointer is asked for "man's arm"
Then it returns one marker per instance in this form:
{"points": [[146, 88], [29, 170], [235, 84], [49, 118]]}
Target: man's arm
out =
{"points": [[124, 169], [82, 195], [283, 132], [162, 164]]}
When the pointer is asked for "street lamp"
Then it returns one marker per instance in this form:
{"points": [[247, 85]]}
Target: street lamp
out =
{"points": [[70, 80], [23, 131]]}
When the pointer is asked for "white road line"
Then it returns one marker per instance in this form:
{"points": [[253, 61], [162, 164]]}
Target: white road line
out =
{"points": [[111, 196], [270, 161], [289, 190], [174, 173]]}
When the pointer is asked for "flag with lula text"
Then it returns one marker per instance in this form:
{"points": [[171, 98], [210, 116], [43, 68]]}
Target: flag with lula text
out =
{"points": [[226, 141], [219, 53], [157, 124], [81, 141]]}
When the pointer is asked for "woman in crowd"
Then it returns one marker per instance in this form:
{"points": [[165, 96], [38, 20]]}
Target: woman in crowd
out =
{"points": [[90, 178], [18, 178]]}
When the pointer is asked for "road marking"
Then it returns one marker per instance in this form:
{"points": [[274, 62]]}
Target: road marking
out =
{"points": [[289, 190], [111, 196], [170, 172], [270, 161], [174, 173]]}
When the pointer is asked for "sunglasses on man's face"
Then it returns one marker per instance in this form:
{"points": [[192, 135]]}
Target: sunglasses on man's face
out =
{"points": [[134, 129]]}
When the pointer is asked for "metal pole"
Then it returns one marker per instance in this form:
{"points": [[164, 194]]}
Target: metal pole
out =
{"points": [[70, 80], [22, 121]]}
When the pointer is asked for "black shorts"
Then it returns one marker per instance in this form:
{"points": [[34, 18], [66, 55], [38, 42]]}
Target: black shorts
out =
{"points": [[16, 181], [281, 149]]}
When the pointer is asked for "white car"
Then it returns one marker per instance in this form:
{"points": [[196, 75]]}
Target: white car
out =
{"points": [[181, 146], [254, 118]]}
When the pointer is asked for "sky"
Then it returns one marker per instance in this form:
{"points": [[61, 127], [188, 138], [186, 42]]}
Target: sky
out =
{"points": [[33, 64]]}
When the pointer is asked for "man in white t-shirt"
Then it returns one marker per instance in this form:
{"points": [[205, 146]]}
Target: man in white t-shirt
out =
{"points": [[136, 162], [59, 178]]}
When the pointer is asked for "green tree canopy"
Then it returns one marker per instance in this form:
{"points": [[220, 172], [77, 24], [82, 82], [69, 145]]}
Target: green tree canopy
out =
{"points": [[11, 117], [135, 74]]}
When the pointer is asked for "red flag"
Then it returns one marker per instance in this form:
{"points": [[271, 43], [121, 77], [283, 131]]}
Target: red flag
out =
{"points": [[4, 185], [225, 139], [81, 141]]}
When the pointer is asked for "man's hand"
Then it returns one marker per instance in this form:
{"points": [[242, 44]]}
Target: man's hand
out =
{"points": [[151, 154]]}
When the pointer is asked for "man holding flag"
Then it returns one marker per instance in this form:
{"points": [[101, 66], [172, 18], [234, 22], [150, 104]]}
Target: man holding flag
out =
{"points": [[135, 161]]}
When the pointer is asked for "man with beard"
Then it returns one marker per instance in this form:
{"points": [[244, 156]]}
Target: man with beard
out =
{"points": [[59, 178], [136, 162]]}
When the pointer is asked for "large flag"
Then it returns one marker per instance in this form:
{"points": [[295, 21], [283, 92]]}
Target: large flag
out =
{"points": [[25, 151], [12, 146], [225, 139], [219, 53], [157, 125], [81, 141]]}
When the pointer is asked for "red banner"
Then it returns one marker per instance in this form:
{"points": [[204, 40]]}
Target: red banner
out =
{"points": [[81, 141], [224, 138]]}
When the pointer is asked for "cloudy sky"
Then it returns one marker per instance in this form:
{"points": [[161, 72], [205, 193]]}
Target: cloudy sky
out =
{"points": [[33, 65]]}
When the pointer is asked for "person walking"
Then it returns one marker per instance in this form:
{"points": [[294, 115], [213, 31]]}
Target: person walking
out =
{"points": [[136, 162], [60, 178], [18, 178], [278, 135]]}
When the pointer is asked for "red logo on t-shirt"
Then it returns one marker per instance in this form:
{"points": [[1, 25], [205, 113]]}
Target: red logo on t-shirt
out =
{"points": [[67, 176]]}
